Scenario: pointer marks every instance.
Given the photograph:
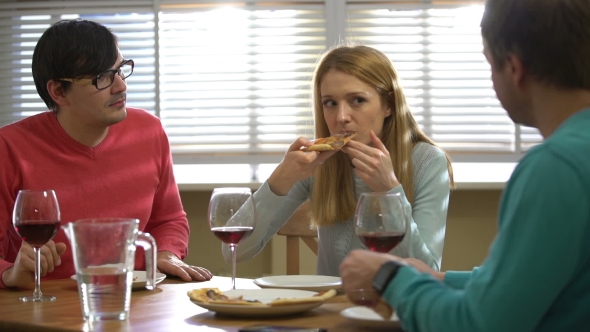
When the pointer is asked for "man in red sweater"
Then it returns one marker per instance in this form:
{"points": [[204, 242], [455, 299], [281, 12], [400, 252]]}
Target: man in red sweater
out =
{"points": [[101, 158]]}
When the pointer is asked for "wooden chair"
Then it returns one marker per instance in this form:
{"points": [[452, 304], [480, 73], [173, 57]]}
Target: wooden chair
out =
{"points": [[298, 227]]}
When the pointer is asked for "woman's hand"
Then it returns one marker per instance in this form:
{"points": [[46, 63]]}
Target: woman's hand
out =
{"points": [[372, 164], [297, 165], [422, 267], [22, 273]]}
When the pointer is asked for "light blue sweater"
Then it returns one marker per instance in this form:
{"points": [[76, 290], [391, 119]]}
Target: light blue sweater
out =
{"points": [[537, 275], [425, 233]]}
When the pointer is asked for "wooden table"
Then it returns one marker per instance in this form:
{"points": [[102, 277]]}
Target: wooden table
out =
{"points": [[166, 308]]}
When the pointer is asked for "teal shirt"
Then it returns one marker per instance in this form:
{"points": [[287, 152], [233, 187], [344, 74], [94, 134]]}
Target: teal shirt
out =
{"points": [[537, 274]]}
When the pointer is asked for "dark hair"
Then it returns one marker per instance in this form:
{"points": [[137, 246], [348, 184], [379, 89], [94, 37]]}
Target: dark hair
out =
{"points": [[551, 38], [71, 49]]}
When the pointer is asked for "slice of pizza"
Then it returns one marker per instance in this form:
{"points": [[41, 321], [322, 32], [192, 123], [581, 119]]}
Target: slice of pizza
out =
{"points": [[334, 142], [319, 297], [215, 296]]}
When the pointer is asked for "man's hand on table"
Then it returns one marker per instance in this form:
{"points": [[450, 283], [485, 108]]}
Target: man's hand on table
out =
{"points": [[359, 268], [170, 264], [22, 273]]}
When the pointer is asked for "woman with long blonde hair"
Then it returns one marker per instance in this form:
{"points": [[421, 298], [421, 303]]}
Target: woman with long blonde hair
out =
{"points": [[356, 89]]}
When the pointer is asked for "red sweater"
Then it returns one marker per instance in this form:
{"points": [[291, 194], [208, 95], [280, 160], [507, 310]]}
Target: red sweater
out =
{"points": [[129, 174]]}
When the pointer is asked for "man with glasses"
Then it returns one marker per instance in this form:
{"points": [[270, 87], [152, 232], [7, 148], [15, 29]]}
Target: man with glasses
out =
{"points": [[537, 274], [102, 158]]}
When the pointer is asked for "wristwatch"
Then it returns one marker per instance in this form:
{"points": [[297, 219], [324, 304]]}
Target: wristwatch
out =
{"points": [[384, 275]]}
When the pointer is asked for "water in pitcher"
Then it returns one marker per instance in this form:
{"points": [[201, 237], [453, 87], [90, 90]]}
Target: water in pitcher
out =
{"points": [[105, 292]]}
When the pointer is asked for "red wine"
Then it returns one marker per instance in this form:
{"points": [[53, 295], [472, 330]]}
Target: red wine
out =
{"points": [[233, 234], [37, 233], [381, 241]]}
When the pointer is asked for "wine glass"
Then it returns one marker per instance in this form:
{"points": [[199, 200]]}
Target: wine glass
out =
{"points": [[36, 219], [380, 221], [232, 217]]}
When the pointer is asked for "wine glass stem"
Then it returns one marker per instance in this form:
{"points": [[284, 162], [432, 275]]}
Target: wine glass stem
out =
{"points": [[232, 248], [37, 294]]}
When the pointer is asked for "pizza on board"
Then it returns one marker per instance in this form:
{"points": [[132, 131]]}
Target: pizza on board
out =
{"points": [[319, 297], [334, 142], [215, 296]]}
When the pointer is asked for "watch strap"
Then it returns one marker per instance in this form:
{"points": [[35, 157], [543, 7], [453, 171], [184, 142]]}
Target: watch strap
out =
{"points": [[384, 275]]}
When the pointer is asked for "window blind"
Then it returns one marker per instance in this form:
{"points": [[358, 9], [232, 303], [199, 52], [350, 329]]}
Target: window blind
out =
{"points": [[23, 23], [235, 81], [231, 80], [437, 51]]}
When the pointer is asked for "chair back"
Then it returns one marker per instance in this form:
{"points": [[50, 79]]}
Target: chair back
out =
{"points": [[299, 227]]}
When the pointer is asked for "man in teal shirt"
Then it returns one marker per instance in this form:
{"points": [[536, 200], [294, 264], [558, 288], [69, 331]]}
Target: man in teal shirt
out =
{"points": [[537, 274]]}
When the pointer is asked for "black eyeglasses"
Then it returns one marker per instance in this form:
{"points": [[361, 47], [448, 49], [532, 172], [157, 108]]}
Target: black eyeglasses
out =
{"points": [[105, 79]]}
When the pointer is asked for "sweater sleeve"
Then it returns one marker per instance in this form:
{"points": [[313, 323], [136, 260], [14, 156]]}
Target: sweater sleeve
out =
{"points": [[457, 279], [168, 223], [509, 292], [272, 212], [427, 218], [8, 176]]}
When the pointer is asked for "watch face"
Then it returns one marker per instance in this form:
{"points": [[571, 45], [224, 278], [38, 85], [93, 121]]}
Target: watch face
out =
{"points": [[384, 276]]}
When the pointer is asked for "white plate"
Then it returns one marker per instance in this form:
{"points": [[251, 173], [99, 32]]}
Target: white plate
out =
{"points": [[367, 317], [303, 282], [264, 296], [139, 279]]}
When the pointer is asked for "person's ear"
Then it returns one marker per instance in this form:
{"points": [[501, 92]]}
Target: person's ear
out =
{"points": [[516, 69], [57, 93], [390, 105]]}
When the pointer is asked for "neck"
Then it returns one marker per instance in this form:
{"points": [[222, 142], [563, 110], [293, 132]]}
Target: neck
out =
{"points": [[552, 107], [82, 132]]}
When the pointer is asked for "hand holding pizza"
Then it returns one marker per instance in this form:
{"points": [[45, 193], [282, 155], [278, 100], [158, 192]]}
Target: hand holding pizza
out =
{"points": [[372, 164], [297, 165]]}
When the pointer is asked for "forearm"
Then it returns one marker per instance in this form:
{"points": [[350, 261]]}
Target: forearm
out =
{"points": [[455, 279], [420, 246], [169, 226], [426, 223], [168, 223], [172, 237], [279, 184], [10, 178], [266, 203], [272, 213]]}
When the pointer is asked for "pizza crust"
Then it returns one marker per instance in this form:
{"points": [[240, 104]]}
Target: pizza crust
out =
{"points": [[319, 297], [215, 296], [334, 142]]}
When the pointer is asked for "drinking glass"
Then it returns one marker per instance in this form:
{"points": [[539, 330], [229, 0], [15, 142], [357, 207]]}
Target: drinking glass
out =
{"points": [[380, 221], [36, 219], [232, 217]]}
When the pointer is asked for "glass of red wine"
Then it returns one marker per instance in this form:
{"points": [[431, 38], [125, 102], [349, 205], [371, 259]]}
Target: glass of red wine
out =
{"points": [[380, 221], [232, 217], [36, 219]]}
